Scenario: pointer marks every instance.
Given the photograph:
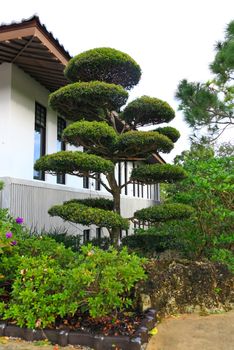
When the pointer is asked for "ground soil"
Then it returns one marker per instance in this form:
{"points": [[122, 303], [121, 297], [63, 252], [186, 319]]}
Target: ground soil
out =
{"points": [[194, 332]]}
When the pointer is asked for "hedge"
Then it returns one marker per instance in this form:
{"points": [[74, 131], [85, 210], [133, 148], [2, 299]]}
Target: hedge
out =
{"points": [[101, 203]]}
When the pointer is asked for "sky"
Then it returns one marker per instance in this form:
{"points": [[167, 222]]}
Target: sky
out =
{"points": [[170, 39]]}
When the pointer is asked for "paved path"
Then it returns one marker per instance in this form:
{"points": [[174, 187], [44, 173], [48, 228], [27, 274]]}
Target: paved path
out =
{"points": [[194, 332]]}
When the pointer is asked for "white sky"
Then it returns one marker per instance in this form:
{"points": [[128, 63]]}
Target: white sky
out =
{"points": [[170, 39]]}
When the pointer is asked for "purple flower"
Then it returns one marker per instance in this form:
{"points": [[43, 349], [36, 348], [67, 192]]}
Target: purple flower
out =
{"points": [[13, 243], [9, 234], [19, 220]]}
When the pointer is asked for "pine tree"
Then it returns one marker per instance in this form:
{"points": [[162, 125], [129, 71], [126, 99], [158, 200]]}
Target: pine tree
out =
{"points": [[100, 79]]}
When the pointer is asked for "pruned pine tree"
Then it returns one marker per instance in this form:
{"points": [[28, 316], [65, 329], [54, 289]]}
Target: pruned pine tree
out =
{"points": [[99, 80]]}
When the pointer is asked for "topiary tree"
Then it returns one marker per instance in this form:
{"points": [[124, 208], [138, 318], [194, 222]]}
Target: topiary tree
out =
{"points": [[99, 80]]}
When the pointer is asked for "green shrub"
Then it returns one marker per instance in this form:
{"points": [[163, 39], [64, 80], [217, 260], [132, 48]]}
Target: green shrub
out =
{"points": [[84, 215], [150, 244], [69, 162], [75, 101], [135, 143], [41, 292], [147, 110], [164, 212], [99, 282], [156, 173], [172, 133], [95, 134], [104, 64], [99, 202]]}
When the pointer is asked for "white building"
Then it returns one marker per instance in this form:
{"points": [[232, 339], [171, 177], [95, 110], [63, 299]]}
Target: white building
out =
{"points": [[31, 66]]}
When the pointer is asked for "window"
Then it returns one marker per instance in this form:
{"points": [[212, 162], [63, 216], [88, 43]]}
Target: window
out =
{"points": [[85, 182], [61, 146], [134, 183], [86, 236], [98, 182], [98, 233], [119, 175], [39, 138], [147, 188], [126, 177]]}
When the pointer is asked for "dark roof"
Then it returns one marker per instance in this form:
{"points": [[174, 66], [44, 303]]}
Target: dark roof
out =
{"points": [[29, 45]]}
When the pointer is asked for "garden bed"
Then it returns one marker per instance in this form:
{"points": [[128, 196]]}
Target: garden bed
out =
{"points": [[107, 337]]}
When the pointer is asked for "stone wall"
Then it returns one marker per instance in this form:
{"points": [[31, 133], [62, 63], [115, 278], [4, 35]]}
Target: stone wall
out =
{"points": [[187, 286]]}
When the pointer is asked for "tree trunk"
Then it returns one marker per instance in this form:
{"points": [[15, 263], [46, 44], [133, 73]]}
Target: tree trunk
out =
{"points": [[115, 190]]}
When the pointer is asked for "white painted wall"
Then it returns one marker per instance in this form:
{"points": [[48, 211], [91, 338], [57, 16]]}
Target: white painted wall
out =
{"points": [[5, 112]]}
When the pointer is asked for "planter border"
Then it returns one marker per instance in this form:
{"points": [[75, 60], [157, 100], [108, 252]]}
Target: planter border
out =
{"points": [[95, 341]]}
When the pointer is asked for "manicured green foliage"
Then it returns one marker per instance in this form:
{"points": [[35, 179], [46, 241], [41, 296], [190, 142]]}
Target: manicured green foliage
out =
{"points": [[100, 78], [84, 215], [74, 163], [147, 110], [87, 100], [104, 64], [1, 185], [153, 173], [135, 143], [101, 203], [164, 212], [172, 133], [93, 135]]}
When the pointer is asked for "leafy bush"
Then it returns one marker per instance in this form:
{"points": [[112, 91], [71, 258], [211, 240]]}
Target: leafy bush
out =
{"points": [[147, 110], [99, 282], [95, 134], [156, 173], [101, 203], [69, 162], [69, 241], [172, 133], [79, 213], [75, 100], [135, 143], [164, 212], [41, 291], [104, 64], [147, 243]]}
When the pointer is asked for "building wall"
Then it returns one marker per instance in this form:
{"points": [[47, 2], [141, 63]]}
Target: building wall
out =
{"points": [[32, 199]]}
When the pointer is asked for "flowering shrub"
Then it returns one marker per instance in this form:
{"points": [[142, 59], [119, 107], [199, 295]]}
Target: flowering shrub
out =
{"points": [[94, 281], [9, 229]]}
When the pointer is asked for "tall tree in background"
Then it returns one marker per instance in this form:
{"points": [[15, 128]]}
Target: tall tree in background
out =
{"points": [[211, 104], [100, 79]]}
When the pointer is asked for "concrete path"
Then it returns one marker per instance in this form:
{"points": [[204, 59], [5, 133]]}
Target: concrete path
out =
{"points": [[194, 332]]}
